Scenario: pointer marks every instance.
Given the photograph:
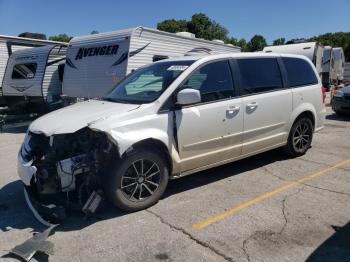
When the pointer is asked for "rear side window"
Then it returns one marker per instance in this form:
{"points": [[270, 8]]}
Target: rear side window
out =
{"points": [[259, 75], [299, 72], [214, 81], [24, 71]]}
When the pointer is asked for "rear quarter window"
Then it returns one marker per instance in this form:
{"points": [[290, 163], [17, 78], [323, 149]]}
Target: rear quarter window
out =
{"points": [[258, 75], [299, 72]]}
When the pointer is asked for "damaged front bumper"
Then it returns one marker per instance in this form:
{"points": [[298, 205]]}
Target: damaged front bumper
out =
{"points": [[25, 170], [55, 184], [38, 210]]}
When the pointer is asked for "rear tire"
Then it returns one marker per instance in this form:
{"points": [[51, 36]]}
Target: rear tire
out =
{"points": [[300, 137], [137, 181]]}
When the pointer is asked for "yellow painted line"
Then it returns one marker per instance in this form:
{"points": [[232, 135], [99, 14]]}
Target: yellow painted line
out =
{"points": [[207, 222]]}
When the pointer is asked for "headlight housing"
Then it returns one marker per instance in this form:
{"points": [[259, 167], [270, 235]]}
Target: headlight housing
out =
{"points": [[339, 94]]}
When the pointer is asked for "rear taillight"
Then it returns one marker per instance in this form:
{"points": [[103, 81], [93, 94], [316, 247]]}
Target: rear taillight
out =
{"points": [[323, 94]]}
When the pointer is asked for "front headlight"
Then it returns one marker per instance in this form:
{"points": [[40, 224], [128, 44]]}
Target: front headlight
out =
{"points": [[339, 94]]}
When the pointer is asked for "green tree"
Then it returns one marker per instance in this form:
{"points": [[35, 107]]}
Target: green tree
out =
{"points": [[172, 26], [200, 25], [257, 43], [60, 38], [279, 41], [33, 35], [242, 43], [203, 27], [232, 41], [217, 32], [94, 32]]}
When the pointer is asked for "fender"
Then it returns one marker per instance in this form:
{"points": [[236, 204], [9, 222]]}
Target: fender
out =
{"points": [[304, 107], [125, 141]]}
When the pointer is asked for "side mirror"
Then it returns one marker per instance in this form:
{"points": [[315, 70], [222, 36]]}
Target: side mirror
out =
{"points": [[188, 96]]}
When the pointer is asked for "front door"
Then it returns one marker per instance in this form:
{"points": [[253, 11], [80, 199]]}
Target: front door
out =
{"points": [[210, 131]]}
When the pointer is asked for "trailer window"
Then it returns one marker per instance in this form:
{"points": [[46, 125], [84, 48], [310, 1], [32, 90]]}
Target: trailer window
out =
{"points": [[159, 57], [24, 71]]}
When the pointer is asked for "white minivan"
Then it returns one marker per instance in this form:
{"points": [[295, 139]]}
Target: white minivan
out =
{"points": [[169, 119]]}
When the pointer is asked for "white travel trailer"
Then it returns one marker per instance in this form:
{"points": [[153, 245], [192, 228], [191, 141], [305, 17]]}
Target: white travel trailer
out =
{"points": [[337, 65], [34, 76], [96, 63], [312, 50], [326, 66], [10, 44]]}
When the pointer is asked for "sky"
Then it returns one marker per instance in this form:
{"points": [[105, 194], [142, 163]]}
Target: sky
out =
{"points": [[270, 18]]}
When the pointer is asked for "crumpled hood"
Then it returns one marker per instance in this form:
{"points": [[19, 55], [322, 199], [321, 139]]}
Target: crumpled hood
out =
{"points": [[73, 118]]}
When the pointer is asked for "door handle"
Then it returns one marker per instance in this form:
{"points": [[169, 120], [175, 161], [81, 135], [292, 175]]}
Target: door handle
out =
{"points": [[232, 109], [252, 105]]}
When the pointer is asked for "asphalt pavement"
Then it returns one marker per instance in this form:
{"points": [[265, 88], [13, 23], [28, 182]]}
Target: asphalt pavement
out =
{"points": [[264, 208]]}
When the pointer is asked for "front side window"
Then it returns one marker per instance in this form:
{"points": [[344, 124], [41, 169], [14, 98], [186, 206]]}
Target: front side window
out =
{"points": [[259, 75], [214, 81], [148, 83], [24, 71], [299, 72]]}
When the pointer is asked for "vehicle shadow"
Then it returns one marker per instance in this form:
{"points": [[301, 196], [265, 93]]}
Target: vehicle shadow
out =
{"points": [[335, 248], [218, 173], [15, 214], [334, 116]]}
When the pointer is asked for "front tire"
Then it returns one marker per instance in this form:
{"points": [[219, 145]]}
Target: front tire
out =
{"points": [[137, 181], [300, 137]]}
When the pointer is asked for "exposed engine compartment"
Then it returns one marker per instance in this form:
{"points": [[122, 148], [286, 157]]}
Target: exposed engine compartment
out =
{"points": [[69, 170]]}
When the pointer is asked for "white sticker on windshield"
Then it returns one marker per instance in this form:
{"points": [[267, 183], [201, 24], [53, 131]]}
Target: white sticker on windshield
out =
{"points": [[177, 68]]}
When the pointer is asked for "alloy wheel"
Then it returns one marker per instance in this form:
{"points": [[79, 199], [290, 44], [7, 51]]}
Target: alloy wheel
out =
{"points": [[140, 180], [302, 136]]}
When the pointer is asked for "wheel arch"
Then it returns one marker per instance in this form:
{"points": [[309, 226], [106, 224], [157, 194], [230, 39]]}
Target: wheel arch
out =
{"points": [[154, 145], [303, 110], [308, 114]]}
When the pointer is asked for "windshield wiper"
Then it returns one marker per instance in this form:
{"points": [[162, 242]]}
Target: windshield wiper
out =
{"points": [[116, 100], [110, 99]]}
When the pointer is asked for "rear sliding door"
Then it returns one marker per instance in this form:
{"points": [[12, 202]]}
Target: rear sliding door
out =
{"points": [[267, 103]]}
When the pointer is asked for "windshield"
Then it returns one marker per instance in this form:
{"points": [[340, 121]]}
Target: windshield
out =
{"points": [[148, 83]]}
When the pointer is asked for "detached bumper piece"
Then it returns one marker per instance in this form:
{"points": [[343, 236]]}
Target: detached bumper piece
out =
{"points": [[37, 243], [45, 214], [55, 212]]}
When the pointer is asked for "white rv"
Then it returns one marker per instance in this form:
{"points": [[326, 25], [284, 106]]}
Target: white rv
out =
{"points": [[96, 63], [326, 66], [10, 44], [337, 65], [312, 50], [34, 76]]}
